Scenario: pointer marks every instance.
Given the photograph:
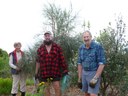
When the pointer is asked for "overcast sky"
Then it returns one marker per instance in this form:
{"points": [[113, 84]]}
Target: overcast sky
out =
{"points": [[21, 20]]}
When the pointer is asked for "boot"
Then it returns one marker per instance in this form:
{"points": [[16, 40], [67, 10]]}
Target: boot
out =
{"points": [[22, 93], [13, 94]]}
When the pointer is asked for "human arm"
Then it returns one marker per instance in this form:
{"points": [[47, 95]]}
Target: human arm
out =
{"points": [[11, 63], [79, 72], [99, 70], [62, 62], [37, 64], [37, 68], [101, 61], [79, 65], [79, 76]]}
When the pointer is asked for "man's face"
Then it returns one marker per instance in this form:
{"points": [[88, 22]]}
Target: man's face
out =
{"points": [[47, 39], [87, 38], [18, 47]]}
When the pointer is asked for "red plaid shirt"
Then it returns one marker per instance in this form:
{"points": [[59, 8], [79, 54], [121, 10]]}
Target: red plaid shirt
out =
{"points": [[52, 64]]}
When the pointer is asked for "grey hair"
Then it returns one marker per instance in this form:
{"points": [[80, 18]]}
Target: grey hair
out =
{"points": [[87, 31], [16, 44]]}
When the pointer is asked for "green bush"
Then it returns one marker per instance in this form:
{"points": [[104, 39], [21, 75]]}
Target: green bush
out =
{"points": [[4, 66], [5, 86]]}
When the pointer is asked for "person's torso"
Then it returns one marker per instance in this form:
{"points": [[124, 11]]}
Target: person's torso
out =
{"points": [[49, 61], [89, 57]]}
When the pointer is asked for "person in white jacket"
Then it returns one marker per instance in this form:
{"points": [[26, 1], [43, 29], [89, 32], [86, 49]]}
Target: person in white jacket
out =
{"points": [[17, 75]]}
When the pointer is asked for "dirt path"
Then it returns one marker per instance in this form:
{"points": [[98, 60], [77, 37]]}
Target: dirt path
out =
{"points": [[70, 92]]}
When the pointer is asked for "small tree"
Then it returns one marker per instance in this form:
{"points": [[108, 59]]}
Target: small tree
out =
{"points": [[113, 40], [60, 20]]}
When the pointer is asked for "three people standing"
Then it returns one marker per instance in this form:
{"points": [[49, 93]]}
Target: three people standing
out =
{"points": [[50, 63]]}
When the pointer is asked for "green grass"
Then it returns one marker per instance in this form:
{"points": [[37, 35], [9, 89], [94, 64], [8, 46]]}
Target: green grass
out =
{"points": [[30, 81], [36, 94], [5, 85]]}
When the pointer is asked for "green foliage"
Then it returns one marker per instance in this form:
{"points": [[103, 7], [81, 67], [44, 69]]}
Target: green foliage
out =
{"points": [[60, 20], [5, 86], [3, 58], [28, 62], [69, 46], [30, 81], [4, 66], [124, 86], [113, 40]]}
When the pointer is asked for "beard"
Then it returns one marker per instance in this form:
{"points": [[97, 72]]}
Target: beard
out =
{"points": [[48, 42], [87, 42]]}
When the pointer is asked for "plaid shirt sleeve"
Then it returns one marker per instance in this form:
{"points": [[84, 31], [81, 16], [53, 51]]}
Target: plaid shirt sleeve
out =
{"points": [[38, 54], [37, 57], [62, 61]]}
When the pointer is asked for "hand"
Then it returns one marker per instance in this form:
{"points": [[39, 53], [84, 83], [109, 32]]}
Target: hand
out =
{"points": [[18, 69], [79, 80], [36, 76], [64, 74], [79, 83], [93, 82]]}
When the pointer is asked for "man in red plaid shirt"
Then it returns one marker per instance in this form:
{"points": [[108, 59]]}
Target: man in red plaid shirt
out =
{"points": [[51, 63]]}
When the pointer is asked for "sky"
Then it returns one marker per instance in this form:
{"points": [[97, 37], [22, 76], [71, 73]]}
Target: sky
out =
{"points": [[21, 20]]}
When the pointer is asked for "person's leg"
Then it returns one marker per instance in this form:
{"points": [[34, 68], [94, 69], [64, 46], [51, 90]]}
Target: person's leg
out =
{"points": [[84, 84], [93, 91], [22, 84], [87, 94], [47, 90], [56, 86], [93, 95], [15, 84]]}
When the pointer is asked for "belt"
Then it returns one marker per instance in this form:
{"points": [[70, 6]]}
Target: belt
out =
{"points": [[88, 69]]}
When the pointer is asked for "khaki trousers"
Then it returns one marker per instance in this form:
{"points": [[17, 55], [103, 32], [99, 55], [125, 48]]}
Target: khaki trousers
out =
{"points": [[18, 79]]}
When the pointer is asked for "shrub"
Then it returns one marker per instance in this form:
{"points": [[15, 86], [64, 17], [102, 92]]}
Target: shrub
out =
{"points": [[4, 66], [5, 86]]}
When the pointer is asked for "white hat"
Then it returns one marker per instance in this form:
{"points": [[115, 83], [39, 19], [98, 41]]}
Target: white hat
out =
{"points": [[47, 32]]}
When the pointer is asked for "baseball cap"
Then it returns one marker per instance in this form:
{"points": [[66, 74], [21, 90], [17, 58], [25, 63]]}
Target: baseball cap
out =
{"points": [[47, 32]]}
